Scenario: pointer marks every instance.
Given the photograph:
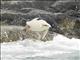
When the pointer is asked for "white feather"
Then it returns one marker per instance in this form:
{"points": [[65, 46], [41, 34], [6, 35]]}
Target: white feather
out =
{"points": [[39, 26]]}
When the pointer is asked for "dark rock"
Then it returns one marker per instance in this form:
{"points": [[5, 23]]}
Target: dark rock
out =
{"points": [[64, 17], [63, 6]]}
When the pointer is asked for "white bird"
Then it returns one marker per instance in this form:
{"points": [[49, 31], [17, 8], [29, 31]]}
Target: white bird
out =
{"points": [[38, 26]]}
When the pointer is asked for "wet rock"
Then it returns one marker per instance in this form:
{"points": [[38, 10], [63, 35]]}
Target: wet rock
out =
{"points": [[19, 18]]}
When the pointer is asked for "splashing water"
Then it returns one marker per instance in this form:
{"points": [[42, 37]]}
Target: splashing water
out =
{"points": [[60, 48]]}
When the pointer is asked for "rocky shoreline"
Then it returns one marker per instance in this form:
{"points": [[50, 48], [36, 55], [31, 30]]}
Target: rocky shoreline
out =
{"points": [[66, 18]]}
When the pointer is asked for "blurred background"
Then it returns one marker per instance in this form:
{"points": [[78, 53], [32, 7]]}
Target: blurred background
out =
{"points": [[65, 14]]}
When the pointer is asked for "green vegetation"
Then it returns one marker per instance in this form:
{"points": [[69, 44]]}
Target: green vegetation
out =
{"points": [[14, 33], [67, 24], [8, 34]]}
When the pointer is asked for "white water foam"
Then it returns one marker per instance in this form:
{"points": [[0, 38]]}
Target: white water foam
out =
{"points": [[29, 49]]}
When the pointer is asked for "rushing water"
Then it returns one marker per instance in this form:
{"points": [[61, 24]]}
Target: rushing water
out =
{"points": [[60, 48]]}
